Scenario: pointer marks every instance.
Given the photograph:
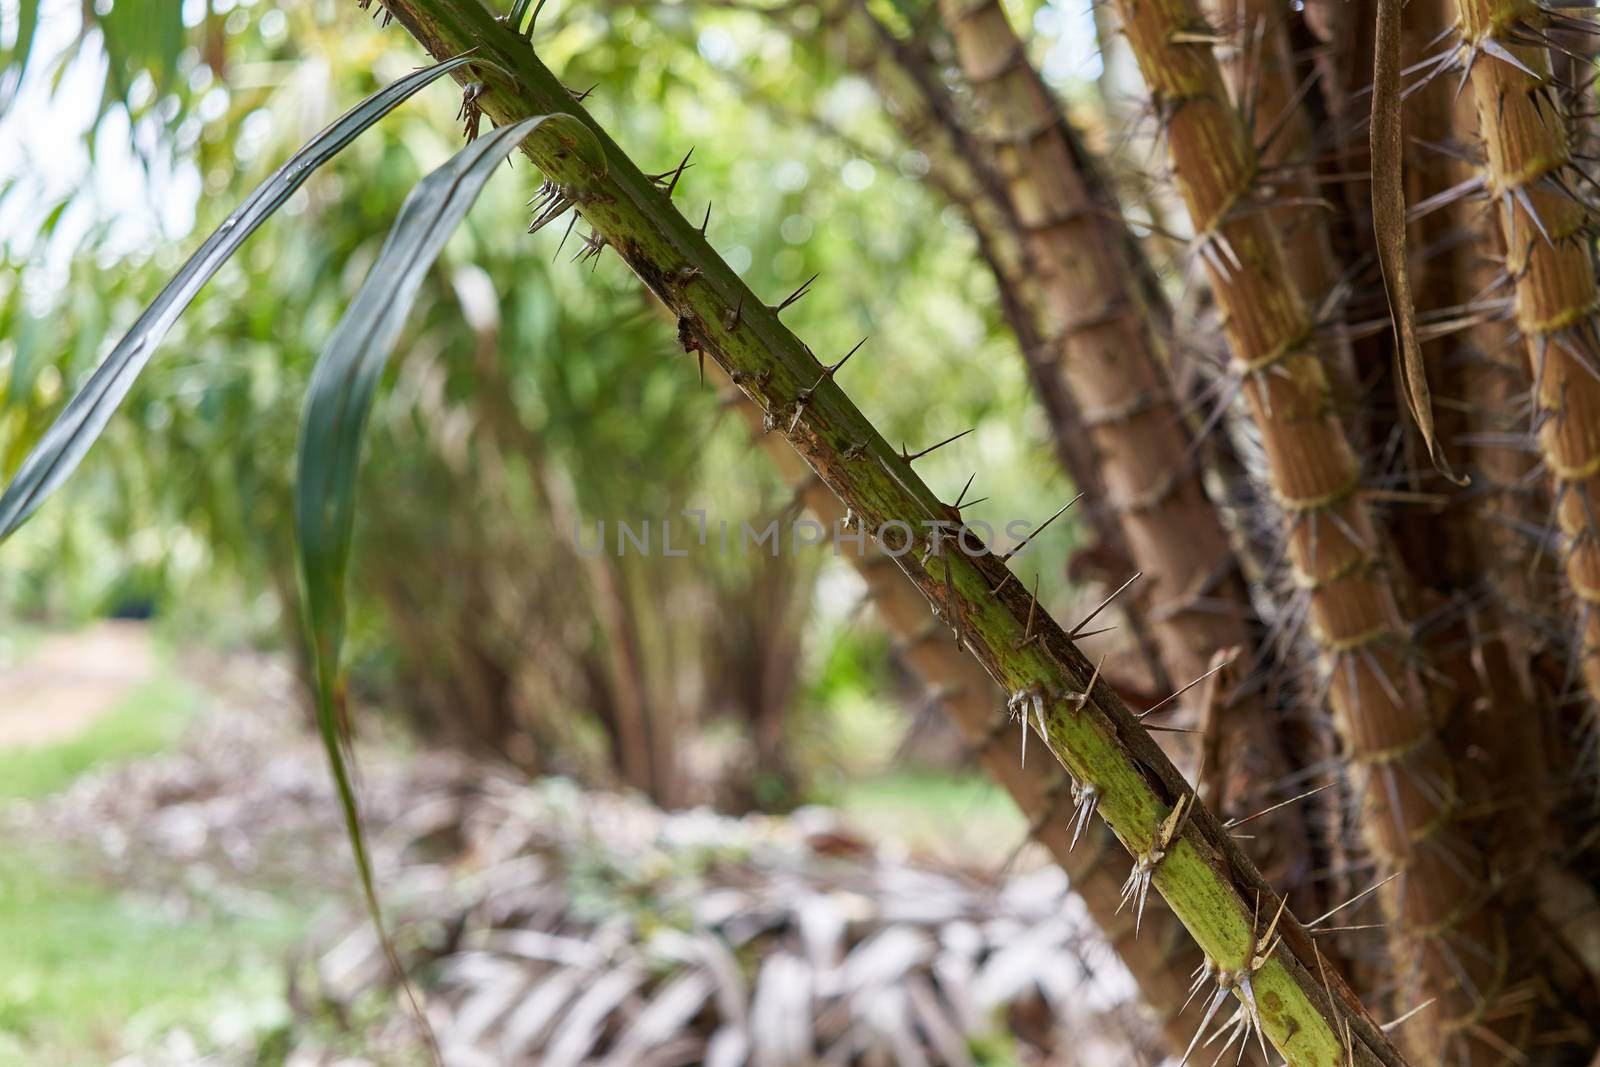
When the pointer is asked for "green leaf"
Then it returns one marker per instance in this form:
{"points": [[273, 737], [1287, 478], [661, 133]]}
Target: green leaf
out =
{"points": [[69, 438], [337, 405]]}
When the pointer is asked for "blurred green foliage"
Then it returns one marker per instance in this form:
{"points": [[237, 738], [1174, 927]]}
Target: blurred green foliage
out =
{"points": [[527, 389]]}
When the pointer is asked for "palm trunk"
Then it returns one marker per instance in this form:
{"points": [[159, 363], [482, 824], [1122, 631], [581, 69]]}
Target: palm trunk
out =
{"points": [[1262, 72], [1191, 861], [1492, 705], [1107, 354], [1546, 238], [962, 169], [1444, 940], [1547, 234]]}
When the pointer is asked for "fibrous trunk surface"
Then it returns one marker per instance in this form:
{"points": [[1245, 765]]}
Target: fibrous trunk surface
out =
{"points": [[1549, 259], [1447, 944]]}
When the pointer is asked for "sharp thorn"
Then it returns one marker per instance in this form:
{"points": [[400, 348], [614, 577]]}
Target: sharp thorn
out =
{"points": [[572, 222], [1026, 541], [1340, 907], [1078, 629], [1388, 1026], [909, 456], [957, 505], [673, 184], [1152, 709], [834, 369], [1231, 823], [797, 294]]}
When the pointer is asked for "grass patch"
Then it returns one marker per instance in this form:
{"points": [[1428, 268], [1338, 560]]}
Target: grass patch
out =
{"points": [[91, 973], [148, 719], [962, 816]]}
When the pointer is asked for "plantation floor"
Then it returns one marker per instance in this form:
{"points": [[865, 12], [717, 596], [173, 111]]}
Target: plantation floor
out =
{"points": [[170, 843], [98, 964]]}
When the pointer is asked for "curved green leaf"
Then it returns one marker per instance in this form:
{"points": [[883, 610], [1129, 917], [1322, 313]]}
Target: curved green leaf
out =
{"points": [[337, 405], [69, 438]]}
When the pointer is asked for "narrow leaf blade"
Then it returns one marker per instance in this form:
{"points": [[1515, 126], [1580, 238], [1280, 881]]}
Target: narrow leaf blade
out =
{"points": [[337, 406]]}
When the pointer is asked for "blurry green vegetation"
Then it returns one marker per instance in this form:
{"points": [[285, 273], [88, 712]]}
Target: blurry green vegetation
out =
{"points": [[529, 394], [92, 971], [958, 817]]}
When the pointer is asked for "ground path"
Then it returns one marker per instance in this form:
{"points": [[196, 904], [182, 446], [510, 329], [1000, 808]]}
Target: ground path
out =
{"points": [[64, 683]]}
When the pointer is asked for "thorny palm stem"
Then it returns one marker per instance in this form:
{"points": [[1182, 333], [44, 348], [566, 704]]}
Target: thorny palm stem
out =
{"points": [[1162, 954], [1191, 861], [1106, 354], [1445, 941]]}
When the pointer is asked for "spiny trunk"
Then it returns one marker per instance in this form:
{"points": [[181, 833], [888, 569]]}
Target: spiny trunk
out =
{"points": [[1491, 705], [1547, 240], [1442, 933], [1549, 257], [1106, 352], [1269, 86], [1161, 955], [1211, 886]]}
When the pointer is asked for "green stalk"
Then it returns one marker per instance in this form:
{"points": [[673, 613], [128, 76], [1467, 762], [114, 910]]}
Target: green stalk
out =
{"points": [[1311, 1017], [1162, 956]]}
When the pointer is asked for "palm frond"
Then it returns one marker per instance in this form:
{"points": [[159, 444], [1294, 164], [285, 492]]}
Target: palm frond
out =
{"points": [[337, 404]]}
